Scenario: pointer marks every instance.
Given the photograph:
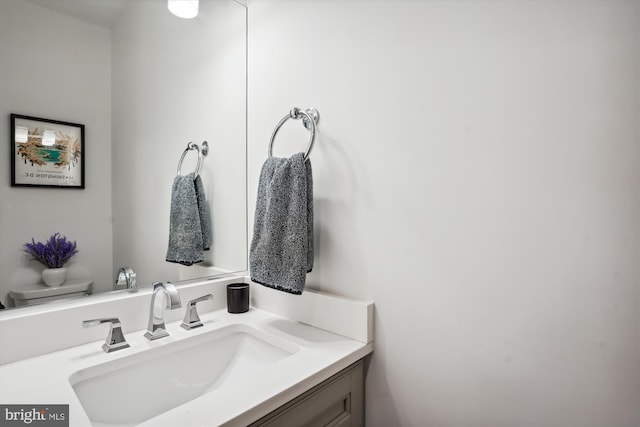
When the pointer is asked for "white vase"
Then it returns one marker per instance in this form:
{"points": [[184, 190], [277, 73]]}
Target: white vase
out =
{"points": [[54, 276]]}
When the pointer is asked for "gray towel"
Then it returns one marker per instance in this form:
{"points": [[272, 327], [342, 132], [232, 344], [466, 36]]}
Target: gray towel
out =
{"points": [[189, 232], [281, 252]]}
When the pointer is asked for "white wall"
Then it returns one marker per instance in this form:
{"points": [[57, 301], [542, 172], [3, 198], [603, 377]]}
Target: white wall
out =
{"points": [[55, 67], [176, 81], [477, 174]]}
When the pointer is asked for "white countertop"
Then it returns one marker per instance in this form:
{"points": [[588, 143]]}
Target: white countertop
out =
{"points": [[44, 379]]}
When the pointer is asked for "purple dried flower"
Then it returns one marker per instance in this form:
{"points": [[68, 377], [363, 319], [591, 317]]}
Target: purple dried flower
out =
{"points": [[54, 253]]}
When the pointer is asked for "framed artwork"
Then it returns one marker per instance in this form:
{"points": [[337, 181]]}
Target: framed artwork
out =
{"points": [[46, 153]]}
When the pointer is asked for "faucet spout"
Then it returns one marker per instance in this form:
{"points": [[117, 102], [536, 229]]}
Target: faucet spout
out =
{"points": [[172, 293], [165, 295]]}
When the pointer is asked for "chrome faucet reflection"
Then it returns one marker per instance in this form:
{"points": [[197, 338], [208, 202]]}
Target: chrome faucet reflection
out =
{"points": [[165, 295], [126, 279]]}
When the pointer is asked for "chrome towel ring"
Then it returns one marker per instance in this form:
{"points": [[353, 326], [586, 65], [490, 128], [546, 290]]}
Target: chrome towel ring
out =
{"points": [[201, 152], [310, 118]]}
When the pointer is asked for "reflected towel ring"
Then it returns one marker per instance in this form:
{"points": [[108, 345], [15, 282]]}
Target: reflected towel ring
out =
{"points": [[310, 118], [194, 146]]}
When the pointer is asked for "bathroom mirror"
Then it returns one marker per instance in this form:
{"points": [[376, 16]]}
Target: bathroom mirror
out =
{"points": [[144, 83]]}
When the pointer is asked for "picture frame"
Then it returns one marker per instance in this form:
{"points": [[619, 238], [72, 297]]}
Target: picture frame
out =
{"points": [[47, 153]]}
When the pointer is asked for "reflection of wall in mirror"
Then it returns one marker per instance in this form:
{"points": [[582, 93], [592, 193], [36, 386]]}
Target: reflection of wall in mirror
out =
{"points": [[166, 81], [176, 81], [56, 67]]}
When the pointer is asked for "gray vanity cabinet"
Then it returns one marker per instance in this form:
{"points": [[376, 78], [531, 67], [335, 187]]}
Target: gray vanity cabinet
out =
{"points": [[338, 401]]}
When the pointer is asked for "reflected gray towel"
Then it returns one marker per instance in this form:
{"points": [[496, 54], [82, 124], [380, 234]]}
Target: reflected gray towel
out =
{"points": [[281, 252], [189, 231]]}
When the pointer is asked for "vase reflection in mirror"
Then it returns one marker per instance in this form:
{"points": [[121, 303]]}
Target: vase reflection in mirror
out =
{"points": [[54, 253], [54, 277]]}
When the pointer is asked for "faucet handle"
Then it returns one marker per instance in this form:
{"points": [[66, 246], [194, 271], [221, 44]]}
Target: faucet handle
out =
{"points": [[191, 318], [115, 340]]}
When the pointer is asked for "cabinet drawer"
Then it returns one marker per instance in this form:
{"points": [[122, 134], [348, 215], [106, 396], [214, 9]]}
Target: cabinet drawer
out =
{"points": [[338, 401]]}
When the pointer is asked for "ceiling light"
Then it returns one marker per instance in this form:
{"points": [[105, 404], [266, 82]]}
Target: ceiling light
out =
{"points": [[22, 134], [183, 8], [49, 138]]}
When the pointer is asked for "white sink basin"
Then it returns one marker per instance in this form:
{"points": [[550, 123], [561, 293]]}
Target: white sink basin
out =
{"points": [[135, 388]]}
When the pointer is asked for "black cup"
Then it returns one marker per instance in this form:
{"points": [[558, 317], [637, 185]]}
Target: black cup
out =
{"points": [[238, 298]]}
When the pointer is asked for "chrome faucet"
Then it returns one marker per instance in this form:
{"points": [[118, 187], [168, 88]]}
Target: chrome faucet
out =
{"points": [[115, 340], [126, 279], [191, 318], [162, 292]]}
